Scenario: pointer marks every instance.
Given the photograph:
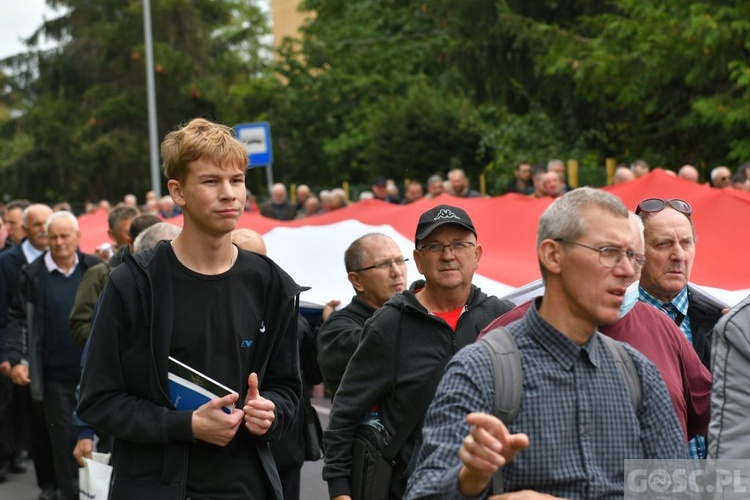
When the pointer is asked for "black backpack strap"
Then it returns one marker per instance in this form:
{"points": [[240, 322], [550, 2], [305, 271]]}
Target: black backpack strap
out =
{"points": [[506, 367], [627, 369]]}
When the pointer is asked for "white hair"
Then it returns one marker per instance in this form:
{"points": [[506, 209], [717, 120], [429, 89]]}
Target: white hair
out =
{"points": [[154, 234], [62, 214]]}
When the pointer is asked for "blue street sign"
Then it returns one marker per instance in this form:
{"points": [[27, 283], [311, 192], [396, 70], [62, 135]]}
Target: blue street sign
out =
{"points": [[257, 139]]}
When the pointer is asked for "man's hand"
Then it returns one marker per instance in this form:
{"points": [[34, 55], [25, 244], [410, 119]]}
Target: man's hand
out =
{"points": [[488, 446], [20, 375], [212, 425], [259, 411], [330, 306], [524, 495], [5, 369], [83, 448]]}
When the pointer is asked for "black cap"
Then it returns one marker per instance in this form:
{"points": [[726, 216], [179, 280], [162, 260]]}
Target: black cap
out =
{"points": [[379, 181], [439, 215]]}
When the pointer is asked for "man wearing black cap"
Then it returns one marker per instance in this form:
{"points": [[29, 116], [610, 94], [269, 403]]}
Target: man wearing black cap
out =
{"points": [[409, 338], [380, 190]]}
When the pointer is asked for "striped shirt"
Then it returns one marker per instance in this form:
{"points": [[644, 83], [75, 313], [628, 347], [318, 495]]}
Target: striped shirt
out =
{"points": [[575, 409]]}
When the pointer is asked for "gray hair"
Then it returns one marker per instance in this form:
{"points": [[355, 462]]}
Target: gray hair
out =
{"points": [[154, 234], [62, 214], [434, 178], [639, 224], [563, 219], [26, 209], [554, 162], [716, 172]]}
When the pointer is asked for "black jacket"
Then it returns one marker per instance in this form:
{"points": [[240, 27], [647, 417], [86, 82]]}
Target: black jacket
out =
{"points": [[11, 262], [338, 338], [703, 317], [124, 389], [401, 346], [26, 320]]}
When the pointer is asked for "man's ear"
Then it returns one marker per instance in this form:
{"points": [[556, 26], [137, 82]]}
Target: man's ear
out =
{"points": [[356, 280], [417, 259], [550, 256], [175, 191], [478, 252]]}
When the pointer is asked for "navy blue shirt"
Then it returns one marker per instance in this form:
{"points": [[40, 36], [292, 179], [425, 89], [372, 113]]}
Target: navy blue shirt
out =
{"points": [[62, 357]]}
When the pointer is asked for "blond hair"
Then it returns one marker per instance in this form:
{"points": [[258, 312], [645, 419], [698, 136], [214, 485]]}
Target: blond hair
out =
{"points": [[200, 139]]}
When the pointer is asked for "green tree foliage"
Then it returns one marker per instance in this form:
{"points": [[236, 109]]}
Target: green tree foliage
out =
{"points": [[395, 87], [588, 79], [419, 133], [354, 60], [85, 107], [361, 66], [670, 77]]}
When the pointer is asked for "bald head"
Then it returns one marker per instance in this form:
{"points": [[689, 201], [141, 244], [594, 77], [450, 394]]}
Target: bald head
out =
{"points": [[689, 173], [34, 224], [623, 174], [721, 177], [247, 239]]}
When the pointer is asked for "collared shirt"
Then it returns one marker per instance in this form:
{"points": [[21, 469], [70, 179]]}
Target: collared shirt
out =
{"points": [[52, 266], [677, 309], [30, 251], [576, 410]]}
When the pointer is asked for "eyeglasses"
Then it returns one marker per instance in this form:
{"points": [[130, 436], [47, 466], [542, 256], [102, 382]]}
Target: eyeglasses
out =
{"points": [[439, 248], [654, 205], [611, 256], [386, 264]]}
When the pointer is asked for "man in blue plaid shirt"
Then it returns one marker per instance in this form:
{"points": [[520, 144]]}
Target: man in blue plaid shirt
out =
{"points": [[577, 423]]}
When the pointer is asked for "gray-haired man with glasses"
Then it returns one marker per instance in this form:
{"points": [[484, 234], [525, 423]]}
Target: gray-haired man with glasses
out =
{"points": [[576, 422], [407, 341], [376, 268]]}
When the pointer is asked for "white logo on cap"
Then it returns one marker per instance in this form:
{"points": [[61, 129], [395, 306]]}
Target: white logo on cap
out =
{"points": [[446, 214]]}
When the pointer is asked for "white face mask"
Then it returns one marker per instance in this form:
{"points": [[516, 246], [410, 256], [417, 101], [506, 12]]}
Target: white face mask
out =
{"points": [[630, 298]]}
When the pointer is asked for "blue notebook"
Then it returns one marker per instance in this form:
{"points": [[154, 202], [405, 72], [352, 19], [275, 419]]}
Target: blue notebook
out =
{"points": [[190, 389]]}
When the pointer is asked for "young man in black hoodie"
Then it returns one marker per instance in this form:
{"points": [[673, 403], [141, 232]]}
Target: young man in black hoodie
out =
{"points": [[407, 339], [227, 313]]}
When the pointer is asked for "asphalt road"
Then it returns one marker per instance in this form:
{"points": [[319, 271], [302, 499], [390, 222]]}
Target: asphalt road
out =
{"points": [[23, 486]]}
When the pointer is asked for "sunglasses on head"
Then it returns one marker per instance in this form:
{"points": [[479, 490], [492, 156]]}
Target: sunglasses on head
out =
{"points": [[653, 205]]}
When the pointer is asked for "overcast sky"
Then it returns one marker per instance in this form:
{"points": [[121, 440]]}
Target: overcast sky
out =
{"points": [[19, 19]]}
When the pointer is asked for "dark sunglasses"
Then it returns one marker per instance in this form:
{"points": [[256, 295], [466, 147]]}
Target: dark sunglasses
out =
{"points": [[654, 205]]}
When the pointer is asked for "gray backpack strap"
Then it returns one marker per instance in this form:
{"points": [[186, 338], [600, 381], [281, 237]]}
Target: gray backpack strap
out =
{"points": [[506, 366], [627, 369]]}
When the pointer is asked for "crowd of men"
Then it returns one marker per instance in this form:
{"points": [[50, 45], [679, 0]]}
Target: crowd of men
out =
{"points": [[538, 181], [614, 355]]}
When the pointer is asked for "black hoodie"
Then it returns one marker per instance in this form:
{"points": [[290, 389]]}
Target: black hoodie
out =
{"points": [[402, 344], [124, 390]]}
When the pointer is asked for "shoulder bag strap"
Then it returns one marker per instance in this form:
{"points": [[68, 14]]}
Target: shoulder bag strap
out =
{"points": [[418, 411]]}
